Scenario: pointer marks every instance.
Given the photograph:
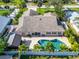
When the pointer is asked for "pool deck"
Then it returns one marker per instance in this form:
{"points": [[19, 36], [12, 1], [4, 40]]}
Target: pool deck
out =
{"points": [[34, 40]]}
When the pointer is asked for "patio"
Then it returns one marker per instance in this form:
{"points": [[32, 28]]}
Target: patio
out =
{"points": [[34, 40]]}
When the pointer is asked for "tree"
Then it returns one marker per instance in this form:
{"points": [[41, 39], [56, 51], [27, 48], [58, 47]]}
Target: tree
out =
{"points": [[19, 3], [49, 47], [3, 45], [58, 6], [37, 47], [22, 48], [75, 46], [63, 47]]}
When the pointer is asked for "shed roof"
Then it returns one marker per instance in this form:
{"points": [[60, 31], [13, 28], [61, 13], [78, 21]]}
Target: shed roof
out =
{"points": [[14, 40]]}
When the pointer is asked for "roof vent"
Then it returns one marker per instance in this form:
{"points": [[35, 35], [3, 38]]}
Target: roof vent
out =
{"points": [[40, 19]]}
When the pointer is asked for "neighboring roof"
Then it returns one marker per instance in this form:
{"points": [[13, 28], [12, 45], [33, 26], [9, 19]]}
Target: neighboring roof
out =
{"points": [[14, 40], [32, 12], [5, 57], [3, 23], [40, 23]]}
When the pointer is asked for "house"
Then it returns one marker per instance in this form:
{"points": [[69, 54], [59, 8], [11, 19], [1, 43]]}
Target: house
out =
{"points": [[4, 21], [40, 25], [14, 40], [75, 24], [74, 20]]}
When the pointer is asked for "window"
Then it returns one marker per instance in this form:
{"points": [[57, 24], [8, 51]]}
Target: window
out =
{"points": [[53, 32], [36, 33], [59, 32], [33, 33], [48, 32]]}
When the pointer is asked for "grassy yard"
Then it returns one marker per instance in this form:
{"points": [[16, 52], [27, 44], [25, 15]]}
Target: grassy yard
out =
{"points": [[44, 10], [5, 12], [75, 9]]}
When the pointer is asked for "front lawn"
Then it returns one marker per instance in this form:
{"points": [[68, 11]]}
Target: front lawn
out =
{"points": [[75, 9], [5, 12], [44, 10]]}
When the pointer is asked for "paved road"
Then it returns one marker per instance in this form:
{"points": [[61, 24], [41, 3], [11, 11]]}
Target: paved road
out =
{"points": [[43, 6]]}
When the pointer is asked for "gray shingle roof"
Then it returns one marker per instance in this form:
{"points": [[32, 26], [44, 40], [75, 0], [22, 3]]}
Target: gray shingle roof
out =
{"points": [[3, 23], [40, 23]]}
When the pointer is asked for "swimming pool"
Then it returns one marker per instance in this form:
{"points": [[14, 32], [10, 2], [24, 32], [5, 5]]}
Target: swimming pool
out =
{"points": [[55, 42]]}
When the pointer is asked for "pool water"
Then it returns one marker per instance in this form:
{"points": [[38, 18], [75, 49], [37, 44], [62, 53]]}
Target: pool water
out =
{"points": [[55, 42]]}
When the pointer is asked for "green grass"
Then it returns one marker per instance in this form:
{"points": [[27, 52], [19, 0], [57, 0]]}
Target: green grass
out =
{"points": [[75, 9], [4, 12], [44, 10]]}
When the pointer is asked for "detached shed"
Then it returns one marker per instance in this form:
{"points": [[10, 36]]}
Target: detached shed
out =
{"points": [[14, 40]]}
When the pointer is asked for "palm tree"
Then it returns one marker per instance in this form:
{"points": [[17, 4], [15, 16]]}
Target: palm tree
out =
{"points": [[22, 48], [39, 3], [63, 47], [75, 47], [49, 47], [19, 3], [67, 1], [37, 47]]}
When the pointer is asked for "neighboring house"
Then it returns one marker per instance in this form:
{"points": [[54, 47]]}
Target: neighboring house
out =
{"points": [[41, 25], [4, 21], [75, 23], [77, 1], [14, 40], [5, 57], [74, 20]]}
